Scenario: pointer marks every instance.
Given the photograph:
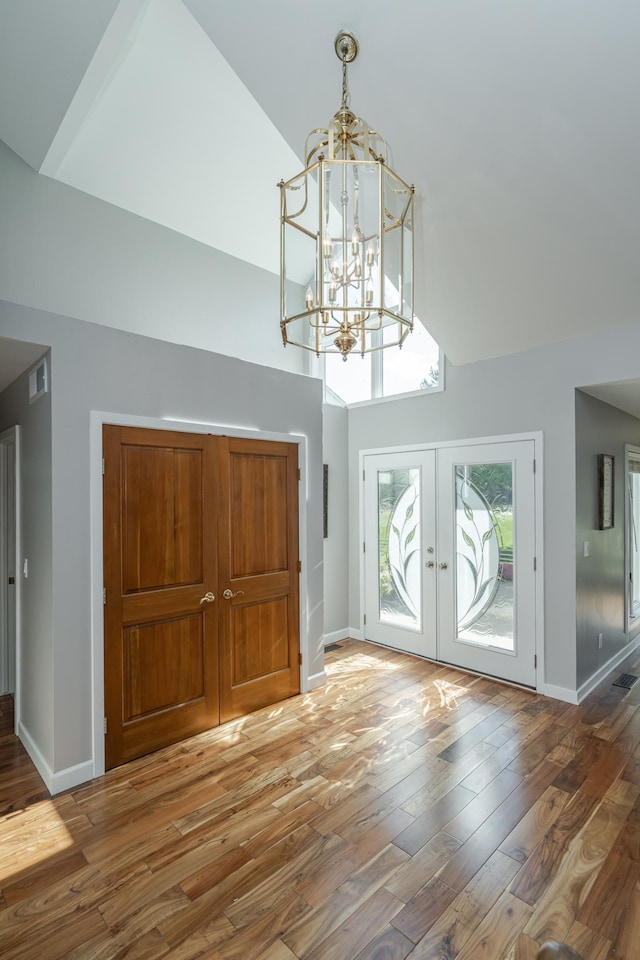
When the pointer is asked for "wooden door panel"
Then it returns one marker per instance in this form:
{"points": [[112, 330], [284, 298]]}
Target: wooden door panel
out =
{"points": [[260, 633], [162, 526], [161, 646], [165, 664], [263, 666], [257, 513], [258, 565]]}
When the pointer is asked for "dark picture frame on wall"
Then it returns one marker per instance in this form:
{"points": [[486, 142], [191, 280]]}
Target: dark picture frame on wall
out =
{"points": [[606, 466]]}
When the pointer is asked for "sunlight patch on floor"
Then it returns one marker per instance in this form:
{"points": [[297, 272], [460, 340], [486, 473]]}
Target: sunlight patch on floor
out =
{"points": [[47, 831]]}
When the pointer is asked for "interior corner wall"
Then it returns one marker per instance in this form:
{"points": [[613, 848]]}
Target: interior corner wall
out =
{"points": [[533, 391], [36, 664], [72, 254], [600, 577], [336, 544], [95, 367]]}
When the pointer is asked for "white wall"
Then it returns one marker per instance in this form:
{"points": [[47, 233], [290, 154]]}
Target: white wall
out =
{"points": [[531, 391], [97, 368], [36, 707], [69, 253], [336, 545], [600, 577]]}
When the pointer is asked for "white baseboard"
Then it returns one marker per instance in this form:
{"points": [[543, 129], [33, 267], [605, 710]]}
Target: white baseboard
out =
{"points": [[63, 779], [336, 636], [72, 777], [39, 761], [355, 634], [559, 693], [316, 680], [589, 685]]}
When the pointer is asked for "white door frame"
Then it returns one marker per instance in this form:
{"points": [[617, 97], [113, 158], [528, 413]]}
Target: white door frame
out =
{"points": [[10, 438], [537, 438], [97, 419]]}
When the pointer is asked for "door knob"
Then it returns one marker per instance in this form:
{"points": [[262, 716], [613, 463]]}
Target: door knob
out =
{"points": [[443, 566], [228, 594], [208, 598], [430, 564]]}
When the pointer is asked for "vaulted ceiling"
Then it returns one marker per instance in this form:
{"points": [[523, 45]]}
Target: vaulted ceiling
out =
{"points": [[517, 121]]}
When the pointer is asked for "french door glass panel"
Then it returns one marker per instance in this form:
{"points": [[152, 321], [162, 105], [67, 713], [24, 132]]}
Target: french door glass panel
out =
{"points": [[486, 546], [400, 536], [484, 564], [399, 548]]}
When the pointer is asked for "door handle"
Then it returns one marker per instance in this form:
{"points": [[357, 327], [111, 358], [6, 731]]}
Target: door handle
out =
{"points": [[228, 594], [443, 566], [208, 598], [431, 564]]}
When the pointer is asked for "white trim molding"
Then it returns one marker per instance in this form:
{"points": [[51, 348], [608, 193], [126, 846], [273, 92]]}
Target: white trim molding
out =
{"points": [[589, 685], [315, 680]]}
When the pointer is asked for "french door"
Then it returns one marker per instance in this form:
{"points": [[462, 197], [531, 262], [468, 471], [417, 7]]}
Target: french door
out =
{"points": [[449, 556], [201, 583]]}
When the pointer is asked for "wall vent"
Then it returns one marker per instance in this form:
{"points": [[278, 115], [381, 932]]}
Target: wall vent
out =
{"points": [[38, 380]]}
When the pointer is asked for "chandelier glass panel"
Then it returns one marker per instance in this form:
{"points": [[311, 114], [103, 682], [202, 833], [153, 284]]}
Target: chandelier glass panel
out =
{"points": [[347, 239]]}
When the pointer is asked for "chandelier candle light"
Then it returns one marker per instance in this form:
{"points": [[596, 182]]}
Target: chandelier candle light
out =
{"points": [[347, 233]]}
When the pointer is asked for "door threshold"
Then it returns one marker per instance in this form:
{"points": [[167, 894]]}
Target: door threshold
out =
{"points": [[454, 666]]}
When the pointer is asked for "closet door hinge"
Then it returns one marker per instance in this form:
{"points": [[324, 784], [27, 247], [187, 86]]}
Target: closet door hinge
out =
{"points": [[103, 466], [299, 566], [104, 725], [104, 595], [535, 660], [299, 474], [299, 659]]}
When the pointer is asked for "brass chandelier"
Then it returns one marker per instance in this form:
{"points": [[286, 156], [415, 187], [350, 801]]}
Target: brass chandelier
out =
{"points": [[346, 234]]}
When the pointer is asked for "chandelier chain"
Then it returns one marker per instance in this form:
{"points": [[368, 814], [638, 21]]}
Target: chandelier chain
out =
{"points": [[345, 86]]}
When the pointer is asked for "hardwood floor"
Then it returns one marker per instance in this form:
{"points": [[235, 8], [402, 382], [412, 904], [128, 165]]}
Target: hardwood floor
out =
{"points": [[404, 810]]}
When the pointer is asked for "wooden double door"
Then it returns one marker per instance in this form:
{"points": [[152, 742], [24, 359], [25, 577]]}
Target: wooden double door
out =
{"points": [[201, 583]]}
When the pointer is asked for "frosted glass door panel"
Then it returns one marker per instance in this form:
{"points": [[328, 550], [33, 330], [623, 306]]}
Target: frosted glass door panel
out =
{"points": [[484, 564], [399, 548], [399, 551], [486, 550]]}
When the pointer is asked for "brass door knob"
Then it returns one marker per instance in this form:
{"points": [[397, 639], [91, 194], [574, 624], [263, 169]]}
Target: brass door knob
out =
{"points": [[228, 594], [208, 598]]}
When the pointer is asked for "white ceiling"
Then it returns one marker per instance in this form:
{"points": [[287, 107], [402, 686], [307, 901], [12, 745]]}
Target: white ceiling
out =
{"points": [[517, 121]]}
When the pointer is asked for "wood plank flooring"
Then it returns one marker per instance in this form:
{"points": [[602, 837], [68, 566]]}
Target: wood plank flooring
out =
{"points": [[404, 810]]}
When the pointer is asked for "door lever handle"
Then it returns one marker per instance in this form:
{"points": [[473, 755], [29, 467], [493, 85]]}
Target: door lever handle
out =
{"points": [[208, 598], [228, 594], [443, 566]]}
